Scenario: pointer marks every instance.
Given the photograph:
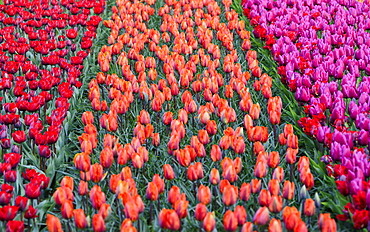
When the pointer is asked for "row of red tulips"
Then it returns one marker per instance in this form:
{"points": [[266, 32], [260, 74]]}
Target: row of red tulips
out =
{"points": [[185, 150], [42, 48]]}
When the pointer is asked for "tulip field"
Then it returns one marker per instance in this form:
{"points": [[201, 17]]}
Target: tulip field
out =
{"points": [[184, 115]]}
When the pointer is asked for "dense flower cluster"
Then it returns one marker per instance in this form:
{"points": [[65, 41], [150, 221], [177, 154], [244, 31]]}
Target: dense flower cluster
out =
{"points": [[42, 48], [322, 48], [198, 149]]}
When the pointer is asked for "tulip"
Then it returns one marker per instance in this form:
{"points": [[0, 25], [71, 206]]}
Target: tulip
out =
{"points": [[200, 211], [168, 219], [247, 227], [67, 209], [14, 226], [262, 216], [209, 222], [288, 190], [169, 174], [80, 218], [229, 195], [152, 191], [204, 194], [98, 223], [264, 197], [241, 214], [309, 207], [230, 221], [275, 226], [32, 190], [96, 172], [53, 223], [276, 204], [181, 208]]}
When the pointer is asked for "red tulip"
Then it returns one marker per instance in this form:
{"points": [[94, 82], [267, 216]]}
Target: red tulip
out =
{"points": [[200, 211]]}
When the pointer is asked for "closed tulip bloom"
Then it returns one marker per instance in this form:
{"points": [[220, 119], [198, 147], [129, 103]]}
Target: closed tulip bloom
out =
{"points": [[239, 145], [106, 157], [214, 176], [169, 174], [229, 173], [291, 155], [168, 219], [325, 223], [181, 208], [15, 226], [260, 170], [97, 197], [238, 164], [152, 191], [167, 118], [211, 127], [282, 139], [276, 204], [98, 223], [275, 226], [67, 181], [247, 227], [262, 216], [32, 190], [173, 194], [230, 221], [288, 190], [53, 223], [144, 117], [216, 153], [19, 136], [159, 182], [209, 222], [254, 111], [83, 188], [200, 211], [192, 173], [67, 209], [241, 214], [203, 137], [245, 192], [292, 141], [96, 172], [291, 216], [126, 173], [87, 118], [307, 179], [309, 207], [229, 195], [204, 194], [274, 187], [264, 197], [300, 227], [131, 210], [258, 147], [82, 161], [80, 218], [255, 185], [273, 159], [199, 167], [278, 174]]}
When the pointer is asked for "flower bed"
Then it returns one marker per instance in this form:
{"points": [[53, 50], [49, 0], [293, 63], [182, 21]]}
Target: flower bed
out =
{"points": [[42, 48], [321, 48], [182, 134]]}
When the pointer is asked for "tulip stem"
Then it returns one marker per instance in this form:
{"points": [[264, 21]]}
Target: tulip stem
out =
{"points": [[138, 225], [29, 225], [275, 133], [151, 213], [195, 190]]}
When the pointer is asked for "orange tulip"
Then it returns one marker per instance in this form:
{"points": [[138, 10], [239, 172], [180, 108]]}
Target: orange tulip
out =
{"points": [[292, 141], [291, 155], [273, 159], [309, 207], [239, 145], [152, 191], [67, 182], [181, 208], [260, 170], [274, 187], [326, 224], [211, 127], [229, 173], [255, 111], [216, 153], [105, 210], [262, 216], [276, 204], [209, 222], [183, 116], [96, 172], [214, 176], [275, 226], [245, 192], [169, 174], [204, 194], [278, 174], [159, 182], [168, 219], [97, 197], [230, 221], [98, 223], [288, 129], [255, 185], [288, 190], [126, 173], [106, 157], [173, 194], [53, 223], [200, 211], [307, 179], [291, 217], [87, 118], [264, 197], [241, 214], [247, 227], [82, 161], [67, 209], [131, 210], [229, 195], [83, 188], [144, 117], [238, 164], [80, 218]]}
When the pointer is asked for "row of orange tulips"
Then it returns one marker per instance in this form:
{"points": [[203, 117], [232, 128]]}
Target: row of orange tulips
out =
{"points": [[186, 157]]}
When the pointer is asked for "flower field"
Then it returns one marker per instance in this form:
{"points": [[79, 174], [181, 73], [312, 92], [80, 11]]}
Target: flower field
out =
{"points": [[186, 115]]}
